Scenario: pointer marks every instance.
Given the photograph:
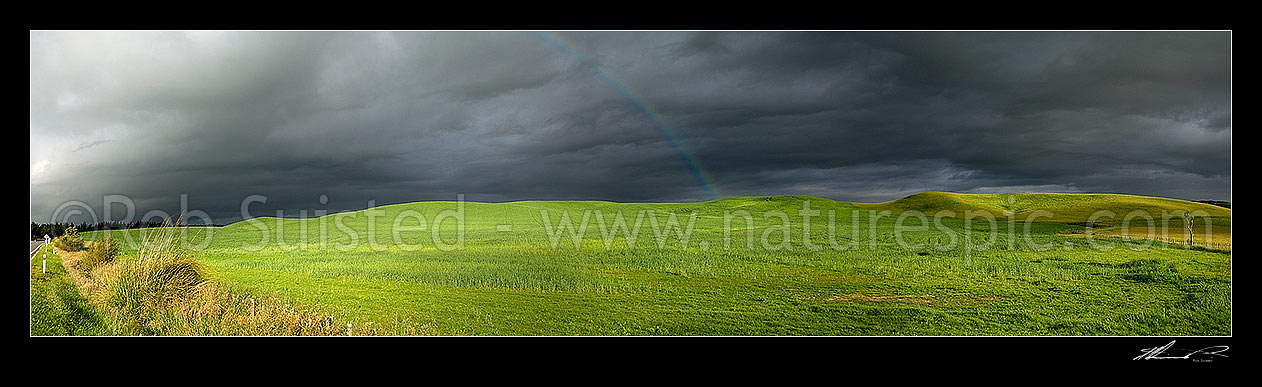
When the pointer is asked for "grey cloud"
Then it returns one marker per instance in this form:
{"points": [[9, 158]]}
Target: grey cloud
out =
{"points": [[405, 116]]}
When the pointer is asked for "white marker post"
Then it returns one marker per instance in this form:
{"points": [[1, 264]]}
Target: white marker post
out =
{"points": [[43, 266]]}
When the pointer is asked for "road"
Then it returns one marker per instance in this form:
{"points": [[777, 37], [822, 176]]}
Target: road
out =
{"points": [[35, 247]]}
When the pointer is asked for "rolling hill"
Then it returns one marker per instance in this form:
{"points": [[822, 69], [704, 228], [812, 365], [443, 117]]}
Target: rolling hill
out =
{"points": [[1066, 208]]}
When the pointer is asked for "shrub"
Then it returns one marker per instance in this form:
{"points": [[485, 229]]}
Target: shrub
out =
{"points": [[100, 252], [70, 241]]}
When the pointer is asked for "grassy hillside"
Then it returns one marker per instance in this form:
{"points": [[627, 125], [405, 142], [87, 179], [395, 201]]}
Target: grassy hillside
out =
{"points": [[1067, 208], [1109, 211], [746, 266]]}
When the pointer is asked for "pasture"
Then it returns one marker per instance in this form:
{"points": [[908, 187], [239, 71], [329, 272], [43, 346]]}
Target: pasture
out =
{"points": [[782, 265]]}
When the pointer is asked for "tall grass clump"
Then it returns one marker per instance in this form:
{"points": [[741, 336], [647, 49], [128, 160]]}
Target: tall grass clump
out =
{"points": [[165, 290], [70, 241], [161, 274]]}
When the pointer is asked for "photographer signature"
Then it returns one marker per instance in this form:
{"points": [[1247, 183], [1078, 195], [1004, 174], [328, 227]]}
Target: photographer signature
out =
{"points": [[1159, 353]]}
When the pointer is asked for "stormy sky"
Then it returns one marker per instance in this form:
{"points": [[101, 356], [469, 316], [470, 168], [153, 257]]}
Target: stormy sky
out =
{"points": [[621, 116]]}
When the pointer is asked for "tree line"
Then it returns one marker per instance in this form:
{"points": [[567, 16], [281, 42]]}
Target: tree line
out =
{"points": [[38, 230]]}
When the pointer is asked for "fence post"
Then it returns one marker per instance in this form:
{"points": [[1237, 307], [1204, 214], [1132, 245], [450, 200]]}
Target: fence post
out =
{"points": [[1187, 220]]}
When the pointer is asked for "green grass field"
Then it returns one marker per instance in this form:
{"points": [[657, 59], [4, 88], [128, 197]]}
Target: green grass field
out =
{"points": [[736, 266]]}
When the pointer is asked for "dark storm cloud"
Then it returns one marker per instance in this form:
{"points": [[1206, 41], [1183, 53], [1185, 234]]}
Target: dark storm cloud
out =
{"points": [[404, 116]]}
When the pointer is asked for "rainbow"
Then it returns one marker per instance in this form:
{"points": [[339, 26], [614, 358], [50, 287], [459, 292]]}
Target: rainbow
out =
{"points": [[694, 165]]}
